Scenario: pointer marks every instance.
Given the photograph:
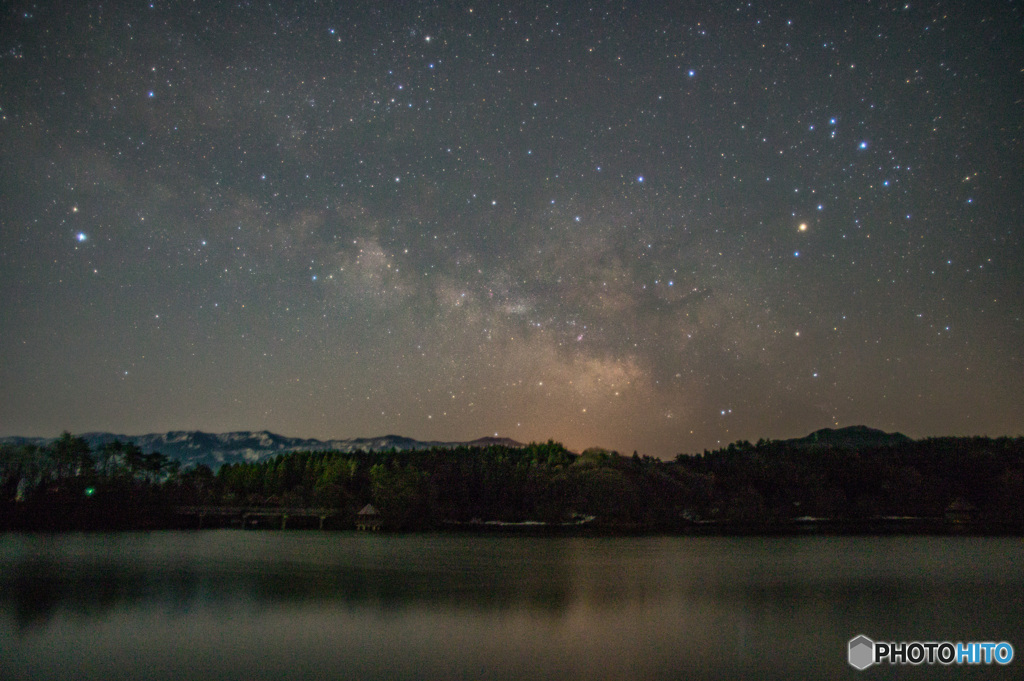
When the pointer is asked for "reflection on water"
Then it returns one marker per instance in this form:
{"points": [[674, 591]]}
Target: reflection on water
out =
{"points": [[271, 605]]}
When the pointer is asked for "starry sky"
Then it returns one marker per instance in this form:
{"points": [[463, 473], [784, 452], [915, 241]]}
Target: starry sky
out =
{"points": [[643, 226]]}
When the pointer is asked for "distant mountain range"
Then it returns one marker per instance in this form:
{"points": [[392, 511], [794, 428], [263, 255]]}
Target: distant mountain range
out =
{"points": [[194, 447], [854, 437]]}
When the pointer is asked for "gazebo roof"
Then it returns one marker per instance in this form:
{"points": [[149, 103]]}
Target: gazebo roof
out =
{"points": [[961, 504], [369, 510]]}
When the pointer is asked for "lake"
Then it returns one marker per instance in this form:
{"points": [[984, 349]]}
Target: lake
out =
{"points": [[249, 605]]}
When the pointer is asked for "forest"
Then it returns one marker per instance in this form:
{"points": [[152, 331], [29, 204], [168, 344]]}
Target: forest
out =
{"points": [[770, 485]]}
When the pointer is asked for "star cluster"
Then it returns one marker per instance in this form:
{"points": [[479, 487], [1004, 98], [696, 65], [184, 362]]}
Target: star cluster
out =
{"points": [[642, 226]]}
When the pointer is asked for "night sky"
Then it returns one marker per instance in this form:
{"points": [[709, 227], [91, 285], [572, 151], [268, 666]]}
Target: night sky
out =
{"points": [[653, 227]]}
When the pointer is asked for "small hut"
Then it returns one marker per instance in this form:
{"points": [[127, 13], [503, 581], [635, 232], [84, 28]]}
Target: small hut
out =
{"points": [[961, 511], [369, 519]]}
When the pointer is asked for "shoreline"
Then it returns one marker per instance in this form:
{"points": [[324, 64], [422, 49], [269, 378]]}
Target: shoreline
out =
{"points": [[92, 517]]}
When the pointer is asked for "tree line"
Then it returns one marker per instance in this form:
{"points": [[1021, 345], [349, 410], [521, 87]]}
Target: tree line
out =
{"points": [[766, 484]]}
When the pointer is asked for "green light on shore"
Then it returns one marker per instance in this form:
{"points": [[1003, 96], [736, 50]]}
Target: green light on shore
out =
{"points": [[89, 491]]}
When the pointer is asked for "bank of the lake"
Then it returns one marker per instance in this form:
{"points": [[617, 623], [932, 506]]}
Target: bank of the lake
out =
{"points": [[866, 481], [90, 515]]}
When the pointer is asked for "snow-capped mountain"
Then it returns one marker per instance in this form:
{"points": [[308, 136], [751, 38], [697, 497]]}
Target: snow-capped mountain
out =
{"points": [[194, 447]]}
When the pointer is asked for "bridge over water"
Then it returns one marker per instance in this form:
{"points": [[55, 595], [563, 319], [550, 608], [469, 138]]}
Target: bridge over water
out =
{"points": [[245, 516]]}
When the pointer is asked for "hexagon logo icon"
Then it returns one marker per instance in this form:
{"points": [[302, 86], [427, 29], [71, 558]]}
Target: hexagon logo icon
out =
{"points": [[862, 652]]}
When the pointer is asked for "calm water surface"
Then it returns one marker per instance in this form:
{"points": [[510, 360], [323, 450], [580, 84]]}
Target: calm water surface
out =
{"points": [[232, 604]]}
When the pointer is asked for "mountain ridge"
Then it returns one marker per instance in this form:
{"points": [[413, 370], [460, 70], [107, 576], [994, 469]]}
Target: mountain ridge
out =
{"points": [[197, 447], [850, 436]]}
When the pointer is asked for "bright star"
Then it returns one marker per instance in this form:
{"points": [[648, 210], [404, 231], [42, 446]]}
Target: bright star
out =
{"points": [[81, 236]]}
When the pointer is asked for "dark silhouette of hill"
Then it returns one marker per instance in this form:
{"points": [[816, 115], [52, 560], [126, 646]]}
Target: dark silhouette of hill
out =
{"points": [[851, 437]]}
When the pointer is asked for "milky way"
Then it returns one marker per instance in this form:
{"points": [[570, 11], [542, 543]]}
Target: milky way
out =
{"points": [[641, 226]]}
